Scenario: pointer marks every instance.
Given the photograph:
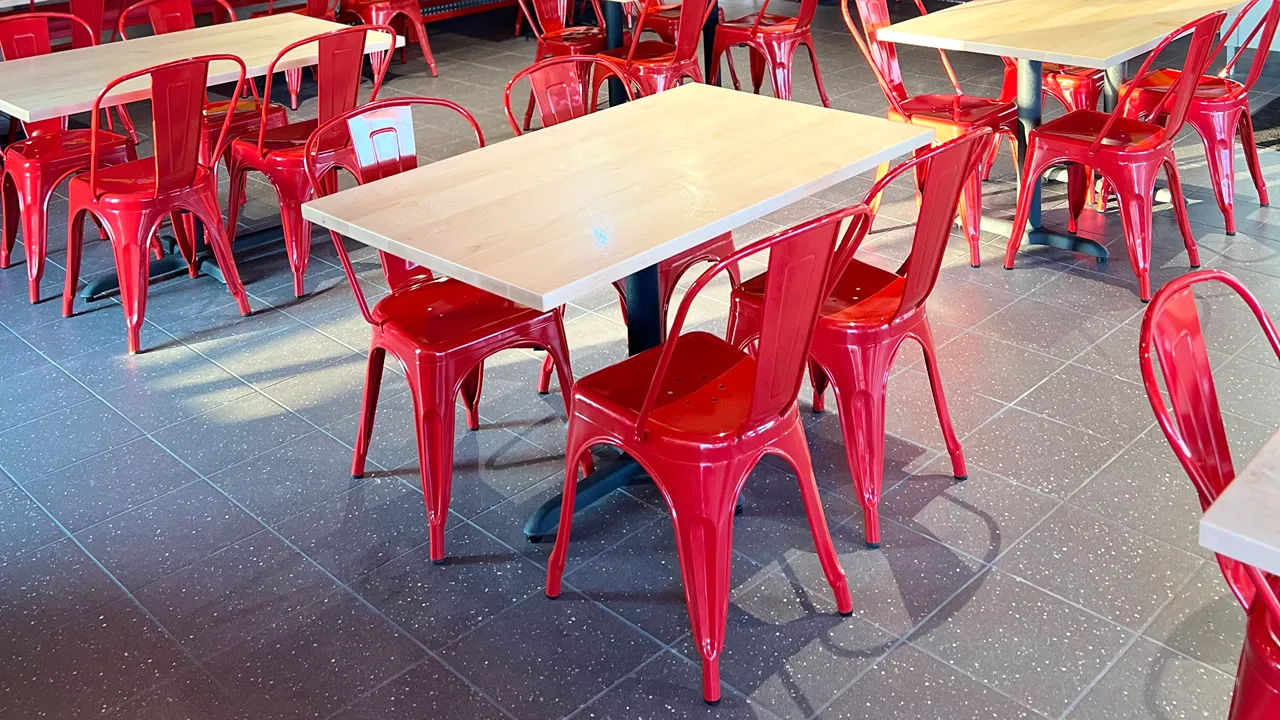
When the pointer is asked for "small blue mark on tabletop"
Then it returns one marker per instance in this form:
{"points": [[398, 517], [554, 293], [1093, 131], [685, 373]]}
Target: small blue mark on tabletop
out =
{"points": [[601, 237]]}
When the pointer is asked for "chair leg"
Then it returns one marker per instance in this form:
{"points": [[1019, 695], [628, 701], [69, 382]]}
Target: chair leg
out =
{"points": [[924, 335], [129, 237], [575, 446], [971, 216], [796, 448], [235, 198], [702, 513], [818, 382], [557, 346], [1077, 190], [860, 374], [1250, 144], [1135, 217], [544, 374], [778, 61], [881, 170], [1217, 131], [1180, 211], [817, 74], [297, 237], [368, 408], [1256, 695], [757, 69], [434, 402], [9, 211], [75, 242], [420, 31], [206, 208], [293, 78], [472, 383]]}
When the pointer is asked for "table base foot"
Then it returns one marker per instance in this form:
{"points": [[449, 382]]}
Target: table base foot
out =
{"points": [[1061, 241], [609, 476]]}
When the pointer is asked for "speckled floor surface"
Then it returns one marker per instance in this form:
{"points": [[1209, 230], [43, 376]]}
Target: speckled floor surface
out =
{"points": [[180, 537]]}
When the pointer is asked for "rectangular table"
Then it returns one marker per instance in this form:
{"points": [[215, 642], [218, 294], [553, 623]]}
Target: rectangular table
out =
{"points": [[63, 83], [549, 216], [1244, 522], [1100, 34]]}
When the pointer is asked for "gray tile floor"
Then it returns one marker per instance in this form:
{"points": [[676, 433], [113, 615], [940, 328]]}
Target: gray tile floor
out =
{"points": [[180, 537]]}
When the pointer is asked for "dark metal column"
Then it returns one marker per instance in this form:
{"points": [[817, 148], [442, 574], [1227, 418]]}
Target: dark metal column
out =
{"points": [[614, 22]]}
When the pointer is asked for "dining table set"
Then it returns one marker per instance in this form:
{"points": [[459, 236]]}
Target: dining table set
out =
{"points": [[481, 251]]}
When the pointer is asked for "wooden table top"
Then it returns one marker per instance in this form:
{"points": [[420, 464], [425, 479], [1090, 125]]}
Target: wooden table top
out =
{"points": [[62, 83], [551, 215], [1089, 33], [1244, 522]]}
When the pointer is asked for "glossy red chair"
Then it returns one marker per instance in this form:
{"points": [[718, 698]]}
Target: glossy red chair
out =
{"points": [[656, 65], [167, 16], [34, 167], [1171, 334], [558, 85], [132, 198], [320, 9], [771, 41], [388, 12], [867, 315], [950, 115], [1219, 109], [549, 20], [441, 330], [1128, 153], [698, 414], [276, 152]]}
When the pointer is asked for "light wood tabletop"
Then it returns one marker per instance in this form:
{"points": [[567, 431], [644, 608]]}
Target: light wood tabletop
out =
{"points": [[551, 215], [48, 86], [1089, 33], [1244, 522]]}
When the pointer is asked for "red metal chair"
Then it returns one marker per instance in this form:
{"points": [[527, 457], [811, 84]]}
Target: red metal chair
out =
{"points": [[698, 414], [320, 9], [441, 330], [656, 65], [869, 312], [132, 198], [549, 20], [559, 87], [276, 152], [1128, 153], [386, 12], [771, 41], [950, 116], [1219, 108], [1171, 334], [168, 16], [34, 167]]}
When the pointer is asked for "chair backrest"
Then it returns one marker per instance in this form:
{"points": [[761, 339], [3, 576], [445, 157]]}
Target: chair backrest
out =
{"points": [[560, 85], [1171, 333], [1263, 32], [168, 16], [693, 16], [808, 8], [799, 260], [882, 56], [944, 170], [546, 15], [178, 99], [340, 60], [1176, 101], [322, 9], [28, 34], [381, 140]]}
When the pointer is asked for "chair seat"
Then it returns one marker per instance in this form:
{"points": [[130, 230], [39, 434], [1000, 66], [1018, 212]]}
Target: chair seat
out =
{"points": [[443, 313], [960, 110], [865, 295], [1072, 70], [1210, 87], [647, 52], [577, 34], [705, 392], [1081, 127], [283, 142], [48, 148], [768, 23], [247, 111], [134, 180]]}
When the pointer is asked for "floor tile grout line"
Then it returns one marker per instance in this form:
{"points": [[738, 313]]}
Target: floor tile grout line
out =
{"points": [[343, 586], [1141, 632]]}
